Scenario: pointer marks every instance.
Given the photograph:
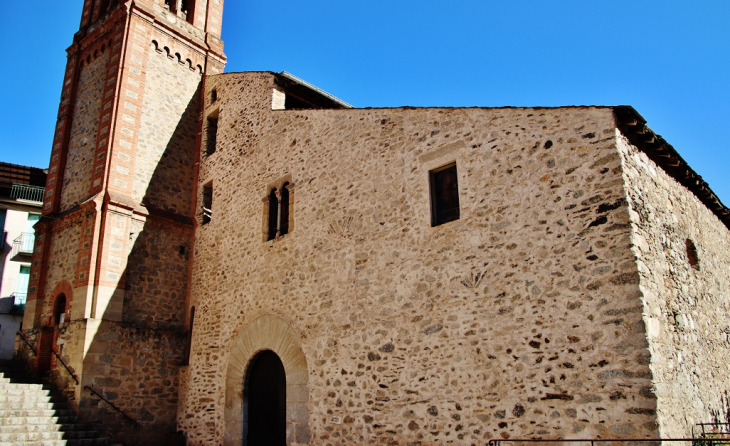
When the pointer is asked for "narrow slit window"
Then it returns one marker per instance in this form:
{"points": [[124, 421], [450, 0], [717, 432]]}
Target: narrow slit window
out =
{"points": [[207, 207], [284, 219], [692, 257], [273, 214], [211, 135], [188, 347], [444, 195]]}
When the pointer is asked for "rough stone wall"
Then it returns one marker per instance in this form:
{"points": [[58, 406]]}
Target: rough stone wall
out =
{"points": [[134, 368], [157, 275], [686, 310], [166, 156], [70, 346], [522, 318], [81, 146], [62, 265]]}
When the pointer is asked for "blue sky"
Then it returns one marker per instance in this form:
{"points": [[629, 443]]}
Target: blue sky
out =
{"points": [[668, 59]]}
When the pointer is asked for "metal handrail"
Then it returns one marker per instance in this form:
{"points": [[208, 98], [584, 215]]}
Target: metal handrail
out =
{"points": [[65, 366], [23, 244], [19, 301], [27, 343], [110, 404], [27, 192], [19, 298], [710, 436]]}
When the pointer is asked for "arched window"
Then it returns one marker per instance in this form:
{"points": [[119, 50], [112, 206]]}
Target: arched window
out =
{"points": [[59, 310], [284, 205], [273, 214], [278, 209], [182, 8]]}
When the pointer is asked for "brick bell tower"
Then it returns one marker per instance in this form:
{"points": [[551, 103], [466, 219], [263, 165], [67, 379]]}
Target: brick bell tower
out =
{"points": [[110, 275]]}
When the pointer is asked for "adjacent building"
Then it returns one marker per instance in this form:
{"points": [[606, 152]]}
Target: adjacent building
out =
{"points": [[21, 197]]}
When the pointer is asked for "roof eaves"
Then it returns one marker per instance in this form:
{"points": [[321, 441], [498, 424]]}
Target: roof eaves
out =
{"points": [[306, 84], [634, 127]]}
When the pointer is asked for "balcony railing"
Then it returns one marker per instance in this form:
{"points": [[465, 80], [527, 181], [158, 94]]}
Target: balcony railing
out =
{"points": [[27, 193], [23, 245], [19, 302]]}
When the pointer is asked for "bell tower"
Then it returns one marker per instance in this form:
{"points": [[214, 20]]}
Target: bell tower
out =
{"points": [[109, 281]]}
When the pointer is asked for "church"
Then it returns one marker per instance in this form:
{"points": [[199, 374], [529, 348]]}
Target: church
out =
{"points": [[243, 258]]}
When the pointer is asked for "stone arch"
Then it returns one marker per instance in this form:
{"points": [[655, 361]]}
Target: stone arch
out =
{"points": [[268, 332]]}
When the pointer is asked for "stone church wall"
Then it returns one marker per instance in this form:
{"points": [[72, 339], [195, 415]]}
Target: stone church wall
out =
{"points": [[157, 275], [84, 128], [686, 307], [522, 318], [62, 264], [134, 368]]}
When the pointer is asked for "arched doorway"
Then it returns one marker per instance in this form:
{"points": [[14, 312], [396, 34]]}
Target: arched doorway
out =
{"points": [[59, 310], [264, 401], [266, 333], [49, 333]]}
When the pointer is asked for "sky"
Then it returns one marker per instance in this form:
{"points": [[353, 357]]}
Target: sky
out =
{"points": [[668, 59]]}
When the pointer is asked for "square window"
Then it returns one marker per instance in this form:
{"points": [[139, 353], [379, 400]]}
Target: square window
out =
{"points": [[444, 195]]}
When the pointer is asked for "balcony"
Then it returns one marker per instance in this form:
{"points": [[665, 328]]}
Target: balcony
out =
{"points": [[19, 302], [23, 248], [23, 192], [13, 304]]}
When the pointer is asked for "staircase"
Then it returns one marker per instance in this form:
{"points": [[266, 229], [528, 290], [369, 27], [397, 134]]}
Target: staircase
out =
{"points": [[35, 414]]}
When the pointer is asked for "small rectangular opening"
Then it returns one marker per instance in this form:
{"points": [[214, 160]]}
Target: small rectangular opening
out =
{"points": [[207, 206], [211, 135], [444, 195]]}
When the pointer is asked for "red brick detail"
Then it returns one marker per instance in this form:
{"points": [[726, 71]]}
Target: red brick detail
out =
{"points": [[125, 135], [54, 181], [85, 248], [104, 131], [86, 12]]}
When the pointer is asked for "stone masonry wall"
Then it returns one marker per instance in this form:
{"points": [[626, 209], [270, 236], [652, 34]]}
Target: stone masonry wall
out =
{"points": [[136, 370], [522, 318], [81, 146], [62, 265], [166, 156], [157, 275], [686, 310]]}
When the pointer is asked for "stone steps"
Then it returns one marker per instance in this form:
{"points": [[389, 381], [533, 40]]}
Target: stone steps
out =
{"points": [[33, 413]]}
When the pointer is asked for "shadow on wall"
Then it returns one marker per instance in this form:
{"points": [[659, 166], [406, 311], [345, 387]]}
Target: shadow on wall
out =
{"points": [[139, 337]]}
